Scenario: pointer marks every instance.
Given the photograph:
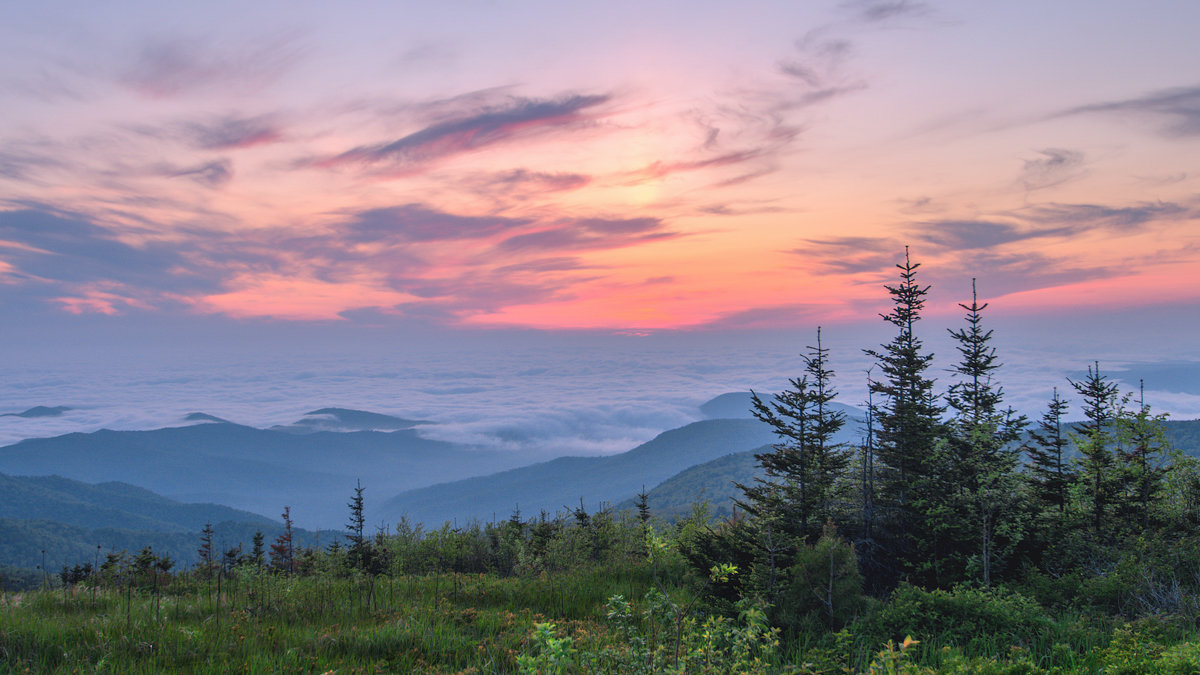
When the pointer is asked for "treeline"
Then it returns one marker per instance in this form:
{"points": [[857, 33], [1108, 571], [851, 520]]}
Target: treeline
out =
{"points": [[954, 487], [568, 540]]}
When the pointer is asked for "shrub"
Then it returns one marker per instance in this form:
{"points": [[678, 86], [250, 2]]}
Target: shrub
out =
{"points": [[823, 586], [959, 616]]}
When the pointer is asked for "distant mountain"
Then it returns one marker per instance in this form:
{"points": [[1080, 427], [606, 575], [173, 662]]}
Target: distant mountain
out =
{"points": [[204, 417], [258, 470], [1184, 435], [737, 405], [39, 411], [564, 481], [68, 519], [112, 505], [345, 419], [711, 482]]}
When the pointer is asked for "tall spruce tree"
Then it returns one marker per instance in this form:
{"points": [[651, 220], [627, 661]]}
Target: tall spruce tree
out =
{"points": [[907, 421], [978, 464], [1094, 440], [802, 470]]}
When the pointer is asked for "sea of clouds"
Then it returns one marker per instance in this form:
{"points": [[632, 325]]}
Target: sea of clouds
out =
{"points": [[539, 395]]}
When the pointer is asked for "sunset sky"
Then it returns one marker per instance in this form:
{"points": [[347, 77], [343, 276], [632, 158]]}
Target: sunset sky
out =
{"points": [[629, 168]]}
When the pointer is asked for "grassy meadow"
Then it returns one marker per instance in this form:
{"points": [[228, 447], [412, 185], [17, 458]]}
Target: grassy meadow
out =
{"points": [[599, 595]]}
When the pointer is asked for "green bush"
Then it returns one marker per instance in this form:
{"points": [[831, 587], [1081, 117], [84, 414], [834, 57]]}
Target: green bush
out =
{"points": [[959, 616], [822, 589]]}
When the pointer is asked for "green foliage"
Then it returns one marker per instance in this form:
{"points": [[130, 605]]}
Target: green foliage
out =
{"points": [[1137, 649], [822, 588], [554, 655], [798, 493], [659, 638], [959, 615]]}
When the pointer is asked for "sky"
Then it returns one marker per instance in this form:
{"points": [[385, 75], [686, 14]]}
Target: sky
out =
{"points": [[648, 185]]}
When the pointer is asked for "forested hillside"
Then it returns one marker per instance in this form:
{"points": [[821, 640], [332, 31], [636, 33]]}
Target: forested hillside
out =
{"points": [[260, 470], [560, 484]]}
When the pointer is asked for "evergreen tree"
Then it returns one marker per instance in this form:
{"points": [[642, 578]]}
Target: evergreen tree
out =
{"points": [[257, 552], [233, 556], [283, 551], [978, 464], [643, 509], [1050, 473], [206, 552], [1094, 439], [357, 553], [907, 421], [869, 555], [798, 494], [1141, 448]]}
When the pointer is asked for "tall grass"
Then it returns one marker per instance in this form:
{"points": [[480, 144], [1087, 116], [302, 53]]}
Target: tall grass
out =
{"points": [[263, 622]]}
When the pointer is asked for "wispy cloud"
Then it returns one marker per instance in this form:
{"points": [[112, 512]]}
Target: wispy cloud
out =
{"points": [[976, 234], [230, 133], [1004, 272], [774, 317], [1177, 109], [419, 223], [523, 179], [22, 160], [1082, 217], [165, 68], [1055, 166], [590, 234], [820, 68], [879, 11], [660, 169], [211, 174], [85, 267], [850, 255], [473, 131]]}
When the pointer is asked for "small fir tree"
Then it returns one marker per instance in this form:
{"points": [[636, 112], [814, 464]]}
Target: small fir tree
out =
{"points": [[1050, 472], [357, 551], [283, 551], [1094, 440], [1141, 449], [206, 552]]}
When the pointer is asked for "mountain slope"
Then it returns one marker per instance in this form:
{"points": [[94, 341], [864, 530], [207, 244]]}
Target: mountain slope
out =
{"points": [[109, 505], [257, 470], [711, 482], [67, 520], [564, 481]]}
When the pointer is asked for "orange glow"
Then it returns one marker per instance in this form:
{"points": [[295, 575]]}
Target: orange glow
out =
{"points": [[100, 299], [296, 299], [1125, 291], [652, 170]]}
